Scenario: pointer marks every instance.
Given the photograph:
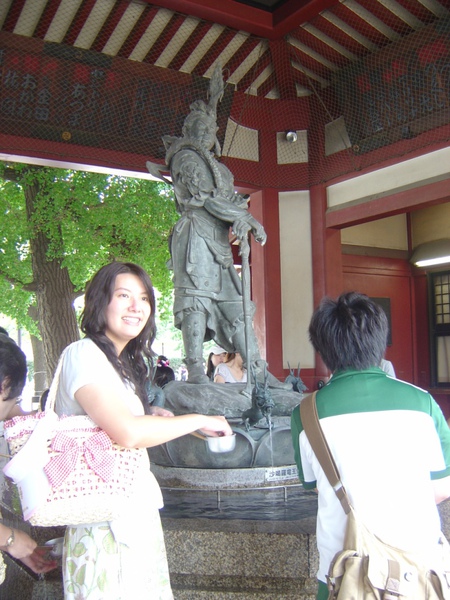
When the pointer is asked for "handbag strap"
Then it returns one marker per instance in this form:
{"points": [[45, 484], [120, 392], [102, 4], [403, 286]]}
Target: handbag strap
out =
{"points": [[51, 399], [319, 444]]}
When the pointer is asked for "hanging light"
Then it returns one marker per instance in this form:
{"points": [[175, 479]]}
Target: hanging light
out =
{"points": [[432, 253], [291, 136]]}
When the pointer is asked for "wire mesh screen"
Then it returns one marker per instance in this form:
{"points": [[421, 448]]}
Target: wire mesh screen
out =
{"points": [[117, 75], [60, 93]]}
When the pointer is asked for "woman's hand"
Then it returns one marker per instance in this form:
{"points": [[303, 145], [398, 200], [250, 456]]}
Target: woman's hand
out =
{"points": [[39, 561], [216, 427]]}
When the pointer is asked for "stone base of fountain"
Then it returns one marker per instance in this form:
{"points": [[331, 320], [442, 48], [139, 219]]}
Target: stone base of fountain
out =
{"points": [[241, 560], [237, 525], [227, 478]]}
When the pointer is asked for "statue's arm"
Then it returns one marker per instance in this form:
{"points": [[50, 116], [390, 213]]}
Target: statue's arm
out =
{"points": [[191, 174], [241, 220]]}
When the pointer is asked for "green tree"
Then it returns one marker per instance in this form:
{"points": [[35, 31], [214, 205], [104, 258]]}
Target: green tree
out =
{"points": [[59, 227]]}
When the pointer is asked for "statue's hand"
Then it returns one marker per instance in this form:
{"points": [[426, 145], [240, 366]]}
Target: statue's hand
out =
{"points": [[259, 233], [241, 228]]}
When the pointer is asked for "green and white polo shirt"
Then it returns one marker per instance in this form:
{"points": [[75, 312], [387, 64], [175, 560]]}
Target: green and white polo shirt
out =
{"points": [[389, 440]]}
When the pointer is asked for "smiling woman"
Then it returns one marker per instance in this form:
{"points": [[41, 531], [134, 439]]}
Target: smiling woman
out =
{"points": [[128, 311], [104, 376]]}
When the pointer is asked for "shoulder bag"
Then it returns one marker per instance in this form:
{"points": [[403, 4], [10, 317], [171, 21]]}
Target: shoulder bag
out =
{"points": [[67, 470], [367, 568]]}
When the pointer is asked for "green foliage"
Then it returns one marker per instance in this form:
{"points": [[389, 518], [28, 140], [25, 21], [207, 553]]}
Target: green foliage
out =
{"points": [[89, 219]]}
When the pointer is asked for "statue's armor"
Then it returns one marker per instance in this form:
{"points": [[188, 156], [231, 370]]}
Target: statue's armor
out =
{"points": [[208, 303], [205, 279]]}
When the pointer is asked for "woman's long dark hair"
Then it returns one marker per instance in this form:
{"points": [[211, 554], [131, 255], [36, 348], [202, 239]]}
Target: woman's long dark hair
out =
{"points": [[131, 363], [210, 367]]}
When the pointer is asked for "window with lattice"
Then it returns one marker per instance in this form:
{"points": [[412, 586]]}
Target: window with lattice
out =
{"points": [[440, 328]]}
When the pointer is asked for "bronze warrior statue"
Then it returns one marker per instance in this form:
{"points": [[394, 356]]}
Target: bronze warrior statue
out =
{"points": [[208, 291]]}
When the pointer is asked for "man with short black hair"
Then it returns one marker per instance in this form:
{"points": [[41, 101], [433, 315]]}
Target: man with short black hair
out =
{"points": [[389, 439]]}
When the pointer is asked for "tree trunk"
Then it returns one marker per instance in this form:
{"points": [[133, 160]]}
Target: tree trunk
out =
{"points": [[54, 292], [40, 369]]}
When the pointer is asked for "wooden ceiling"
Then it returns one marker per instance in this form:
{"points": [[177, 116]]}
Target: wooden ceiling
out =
{"points": [[268, 48]]}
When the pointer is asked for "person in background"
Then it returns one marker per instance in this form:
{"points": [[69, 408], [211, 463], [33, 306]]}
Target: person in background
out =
{"points": [[372, 422], [13, 372], [104, 375], [163, 372], [216, 356], [182, 372], [387, 367], [231, 370]]}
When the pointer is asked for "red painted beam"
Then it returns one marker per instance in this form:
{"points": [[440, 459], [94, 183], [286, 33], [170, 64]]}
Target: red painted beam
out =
{"points": [[164, 38], [294, 13], [189, 45], [138, 31], [255, 71], [419, 197], [46, 18], [226, 12], [281, 59], [214, 52], [250, 19], [108, 27], [13, 15], [65, 153], [78, 22]]}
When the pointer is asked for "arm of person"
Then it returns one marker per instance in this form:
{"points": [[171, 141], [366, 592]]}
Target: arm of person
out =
{"points": [[16, 411], [441, 489], [10, 409], [219, 378], [21, 546], [110, 413], [24, 548]]}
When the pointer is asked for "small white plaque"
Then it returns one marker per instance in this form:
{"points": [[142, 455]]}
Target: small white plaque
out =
{"points": [[275, 474]]}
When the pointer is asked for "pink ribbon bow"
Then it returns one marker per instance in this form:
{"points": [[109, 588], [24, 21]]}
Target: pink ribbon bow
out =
{"points": [[94, 449]]}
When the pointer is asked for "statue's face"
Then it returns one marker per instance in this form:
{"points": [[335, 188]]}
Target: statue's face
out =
{"points": [[204, 131]]}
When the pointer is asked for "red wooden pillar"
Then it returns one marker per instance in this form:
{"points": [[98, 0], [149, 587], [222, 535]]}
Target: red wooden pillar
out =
{"points": [[266, 280], [326, 249]]}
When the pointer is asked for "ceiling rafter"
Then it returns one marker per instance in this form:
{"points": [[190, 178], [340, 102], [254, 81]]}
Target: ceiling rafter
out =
{"points": [[303, 41]]}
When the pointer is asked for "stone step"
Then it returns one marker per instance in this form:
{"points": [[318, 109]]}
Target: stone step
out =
{"points": [[21, 586], [239, 588]]}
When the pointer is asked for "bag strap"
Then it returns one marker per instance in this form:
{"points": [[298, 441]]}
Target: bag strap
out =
{"points": [[319, 444], [51, 399]]}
